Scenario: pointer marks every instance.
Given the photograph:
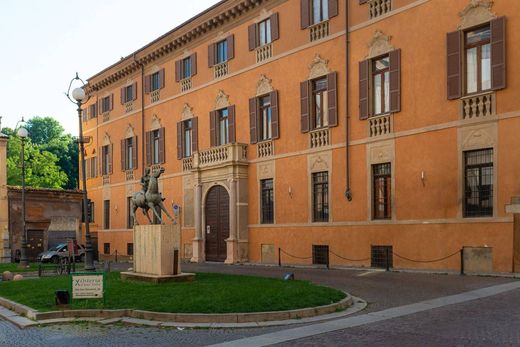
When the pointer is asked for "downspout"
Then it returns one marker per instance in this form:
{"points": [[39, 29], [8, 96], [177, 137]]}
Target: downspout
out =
{"points": [[348, 192], [143, 164]]}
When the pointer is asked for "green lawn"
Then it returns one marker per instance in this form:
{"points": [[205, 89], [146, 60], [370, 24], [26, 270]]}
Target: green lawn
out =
{"points": [[13, 267], [209, 293]]}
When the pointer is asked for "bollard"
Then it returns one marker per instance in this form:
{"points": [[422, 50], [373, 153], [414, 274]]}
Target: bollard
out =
{"points": [[279, 257], [387, 250], [116, 255], [328, 253], [175, 261], [462, 262]]}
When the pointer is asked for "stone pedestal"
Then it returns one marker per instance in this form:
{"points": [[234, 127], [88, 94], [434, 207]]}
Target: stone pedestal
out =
{"points": [[157, 254], [514, 208]]}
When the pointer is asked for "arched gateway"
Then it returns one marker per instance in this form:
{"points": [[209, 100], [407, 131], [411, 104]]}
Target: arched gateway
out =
{"points": [[217, 223]]}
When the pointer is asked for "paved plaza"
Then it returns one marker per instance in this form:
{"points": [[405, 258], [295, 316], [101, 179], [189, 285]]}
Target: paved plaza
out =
{"points": [[404, 309]]}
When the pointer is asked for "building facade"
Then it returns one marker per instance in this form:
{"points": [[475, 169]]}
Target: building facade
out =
{"points": [[279, 139]]}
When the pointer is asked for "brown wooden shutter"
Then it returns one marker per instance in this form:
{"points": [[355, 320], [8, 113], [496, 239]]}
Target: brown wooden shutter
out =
{"points": [[275, 123], [332, 93], [110, 158], [100, 105], [134, 154], [161, 78], [123, 155], [211, 55], [162, 151], [305, 18], [123, 96], [195, 134], [333, 8], [251, 36], [498, 53], [193, 59], [147, 83], [87, 168], [178, 74], [275, 27], [453, 45], [148, 149], [395, 80], [180, 152], [212, 128], [111, 102], [364, 76], [230, 46], [253, 138], [304, 106], [134, 91], [231, 124], [100, 160]]}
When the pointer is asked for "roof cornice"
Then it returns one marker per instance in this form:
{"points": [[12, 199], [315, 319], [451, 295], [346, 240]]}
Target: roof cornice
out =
{"points": [[206, 21]]}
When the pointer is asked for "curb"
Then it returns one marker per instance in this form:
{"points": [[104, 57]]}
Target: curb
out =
{"points": [[15, 313]]}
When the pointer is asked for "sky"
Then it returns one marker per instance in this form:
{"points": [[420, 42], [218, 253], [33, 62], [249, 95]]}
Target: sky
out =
{"points": [[44, 43]]}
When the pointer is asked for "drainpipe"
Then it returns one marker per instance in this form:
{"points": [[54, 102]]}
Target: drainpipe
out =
{"points": [[348, 192], [143, 164]]}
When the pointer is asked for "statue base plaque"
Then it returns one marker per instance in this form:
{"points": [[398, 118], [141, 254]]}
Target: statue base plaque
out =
{"points": [[157, 254]]}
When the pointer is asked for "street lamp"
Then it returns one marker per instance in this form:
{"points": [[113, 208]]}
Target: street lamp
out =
{"points": [[23, 134], [79, 98]]}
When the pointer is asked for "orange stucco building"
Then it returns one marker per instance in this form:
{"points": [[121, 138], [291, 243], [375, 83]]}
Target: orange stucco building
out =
{"points": [[276, 134]]}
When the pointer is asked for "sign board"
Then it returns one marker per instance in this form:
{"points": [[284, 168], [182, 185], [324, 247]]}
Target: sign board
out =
{"points": [[87, 285]]}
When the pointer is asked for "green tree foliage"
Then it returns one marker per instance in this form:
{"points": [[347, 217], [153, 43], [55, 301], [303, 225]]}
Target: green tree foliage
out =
{"points": [[51, 156]]}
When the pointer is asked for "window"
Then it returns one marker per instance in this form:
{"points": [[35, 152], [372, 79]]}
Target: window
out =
{"points": [[267, 201], [318, 103], [222, 52], [93, 166], [156, 146], [129, 249], [187, 138], [382, 183], [320, 254], [319, 112], [478, 60], [106, 214], [128, 93], [106, 157], [155, 81], [223, 126], [478, 182], [90, 211], [129, 158], [92, 110], [106, 104], [320, 11], [264, 32], [106, 248], [265, 126], [320, 197], [129, 219], [186, 67], [381, 83]]}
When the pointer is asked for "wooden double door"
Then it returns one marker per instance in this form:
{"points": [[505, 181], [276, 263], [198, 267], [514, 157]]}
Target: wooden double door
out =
{"points": [[217, 223]]}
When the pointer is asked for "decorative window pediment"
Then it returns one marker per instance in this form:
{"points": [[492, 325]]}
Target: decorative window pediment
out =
{"points": [[106, 140], [156, 122], [129, 131], [379, 45], [264, 86], [475, 13], [222, 100], [318, 67], [187, 112]]}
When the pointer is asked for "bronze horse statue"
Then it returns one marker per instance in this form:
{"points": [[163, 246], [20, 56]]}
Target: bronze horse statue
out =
{"points": [[149, 198]]}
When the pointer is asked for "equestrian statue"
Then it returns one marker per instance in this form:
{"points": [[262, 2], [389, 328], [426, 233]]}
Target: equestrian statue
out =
{"points": [[149, 198]]}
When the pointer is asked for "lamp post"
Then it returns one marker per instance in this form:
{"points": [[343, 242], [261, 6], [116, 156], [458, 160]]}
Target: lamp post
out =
{"points": [[80, 98], [23, 133]]}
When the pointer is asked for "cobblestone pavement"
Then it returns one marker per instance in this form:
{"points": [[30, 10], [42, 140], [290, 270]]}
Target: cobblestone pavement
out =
{"points": [[490, 321]]}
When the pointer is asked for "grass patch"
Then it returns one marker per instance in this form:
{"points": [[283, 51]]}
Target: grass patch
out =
{"points": [[209, 293], [13, 267]]}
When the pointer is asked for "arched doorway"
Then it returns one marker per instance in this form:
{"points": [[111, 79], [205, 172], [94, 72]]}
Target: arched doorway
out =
{"points": [[217, 223]]}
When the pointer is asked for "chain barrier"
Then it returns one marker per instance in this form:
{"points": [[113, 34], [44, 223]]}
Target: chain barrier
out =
{"points": [[293, 256], [347, 259], [426, 261]]}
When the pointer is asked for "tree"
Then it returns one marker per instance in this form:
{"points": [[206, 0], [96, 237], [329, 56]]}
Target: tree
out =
{"points": [[41, 169], [48, 134]]}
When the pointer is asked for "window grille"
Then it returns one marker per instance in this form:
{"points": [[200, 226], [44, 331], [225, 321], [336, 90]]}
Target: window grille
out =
{"points": [[478, 177], [320, 254], [381, 256]]}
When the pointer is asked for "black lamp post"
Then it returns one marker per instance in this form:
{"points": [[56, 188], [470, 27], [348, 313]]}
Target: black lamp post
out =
{"points": [[80, 98], [24, 262]]}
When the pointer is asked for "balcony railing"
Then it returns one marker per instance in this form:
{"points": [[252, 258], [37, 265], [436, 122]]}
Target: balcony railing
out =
{"points": [[106, 117], [478, 106], [226, 154], [185, 84], [319, 31], [129, 175], [129, 106], [221, 70], [265, 149], [379, 7], [380, 125], [264, 52], [155, 95], [319, 138], [187, 164], [106, 180]]}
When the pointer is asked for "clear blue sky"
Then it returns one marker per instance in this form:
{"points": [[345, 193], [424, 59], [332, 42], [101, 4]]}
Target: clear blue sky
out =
{"points": [[44, 43]]}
